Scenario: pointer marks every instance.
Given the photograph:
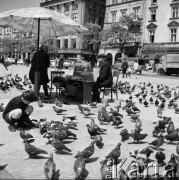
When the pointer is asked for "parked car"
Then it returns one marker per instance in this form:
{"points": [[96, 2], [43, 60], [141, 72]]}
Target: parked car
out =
{"points": [[20, 61], [66, 64], [10, 60]]}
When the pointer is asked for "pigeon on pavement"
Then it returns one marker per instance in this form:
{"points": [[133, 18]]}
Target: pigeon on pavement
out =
{"points": [[49, 168]]}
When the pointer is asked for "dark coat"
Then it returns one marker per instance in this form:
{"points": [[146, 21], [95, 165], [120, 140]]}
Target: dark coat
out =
{"points": [[124, 65], [44, 63], [105, 75]]}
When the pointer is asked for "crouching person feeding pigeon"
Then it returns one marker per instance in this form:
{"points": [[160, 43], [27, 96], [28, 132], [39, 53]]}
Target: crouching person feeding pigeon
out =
{"points": [[18, 110]]}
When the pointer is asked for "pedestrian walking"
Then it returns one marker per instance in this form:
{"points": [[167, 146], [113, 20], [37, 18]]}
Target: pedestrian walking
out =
{"points": [[124, 67], [136, 68]]}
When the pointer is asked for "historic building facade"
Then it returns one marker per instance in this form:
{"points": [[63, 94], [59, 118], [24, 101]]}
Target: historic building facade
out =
{"points": [[161, 24], [81, 11], [114, 10]]}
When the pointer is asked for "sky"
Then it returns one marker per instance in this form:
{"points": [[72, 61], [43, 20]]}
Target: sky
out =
{"points": [[6, 5]]}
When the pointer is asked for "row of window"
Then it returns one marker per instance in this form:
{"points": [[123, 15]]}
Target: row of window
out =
{"points": [[153, 2], [66, 43], [173, 35], [174, 13], [66, 7], [92, 11], [123, 13]]}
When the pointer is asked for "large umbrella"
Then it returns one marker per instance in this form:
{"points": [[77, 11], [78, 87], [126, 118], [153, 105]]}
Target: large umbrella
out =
{"points": [[42, 22]]}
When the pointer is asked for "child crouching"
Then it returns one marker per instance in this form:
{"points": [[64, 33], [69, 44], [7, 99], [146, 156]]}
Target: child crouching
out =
{"points": [[18, 110]]}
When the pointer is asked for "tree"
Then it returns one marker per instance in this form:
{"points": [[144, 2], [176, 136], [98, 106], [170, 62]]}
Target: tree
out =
{"points": [[92, 38], [154, 50], [119, 33], [6, 46]]}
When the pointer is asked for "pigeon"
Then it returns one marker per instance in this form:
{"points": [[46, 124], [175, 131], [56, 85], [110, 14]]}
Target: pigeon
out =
{"points": [[138, 123], [92, 124], [162, 124], [160, 157], [92, 131], [86, 112], [156, 131], [40, 104], [124, 134], [116, 108], [49, 168], [172, 136], [171, 165], [101, 118], [146, 103], [64, 132], [115, 153], [79, 166], [137, 95], [134, 117], [159, 112], [159, 141], [116, 121], [115, 113], [58, 145], [105, 116], [81, 108], [104, 168], [130, 97], [129, 112], [93, 104], [140, 100], [162, 105], [88, 152], [98, 140], [135, 108], [156, 102], [170, 128], [33, 151], [134, 153], [147, 150], [151, 100], [69, 117], [137, 136], [26, 136], [137, 130], [58, 110], [176, 110], [128, 104], [58, 103], [144, 96]]}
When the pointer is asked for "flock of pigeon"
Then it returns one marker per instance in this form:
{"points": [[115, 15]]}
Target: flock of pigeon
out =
{"points": [[56, 132]]}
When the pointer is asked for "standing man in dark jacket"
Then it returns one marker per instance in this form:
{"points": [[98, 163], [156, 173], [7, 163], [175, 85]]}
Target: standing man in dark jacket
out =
{"points": [[124, 67], [43, 63], [104, 79]]}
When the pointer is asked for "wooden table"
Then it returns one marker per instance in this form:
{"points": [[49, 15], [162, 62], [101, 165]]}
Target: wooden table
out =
{"points": [[87, 87]]}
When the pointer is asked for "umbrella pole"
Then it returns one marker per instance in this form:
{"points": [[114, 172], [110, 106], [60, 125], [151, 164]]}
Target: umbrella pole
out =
{"points": [[37, 72]]}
